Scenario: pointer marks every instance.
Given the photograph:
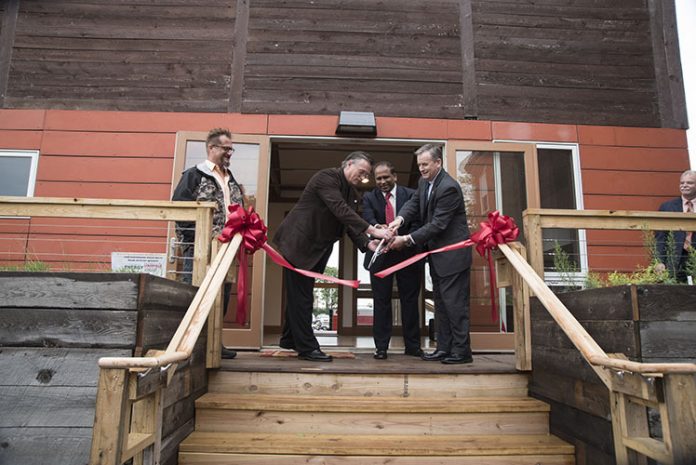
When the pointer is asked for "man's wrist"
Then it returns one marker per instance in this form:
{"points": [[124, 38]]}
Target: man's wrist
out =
{"points": [[409, 241]]}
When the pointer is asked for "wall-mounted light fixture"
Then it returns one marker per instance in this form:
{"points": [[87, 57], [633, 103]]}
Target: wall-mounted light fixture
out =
{"points": [[356, 123]]}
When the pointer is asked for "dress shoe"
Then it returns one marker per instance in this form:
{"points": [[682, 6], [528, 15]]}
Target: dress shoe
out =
{"points": [[415, 352], [453, 359], [315, 355], [380, 354], [228, 354], [435, 356]]}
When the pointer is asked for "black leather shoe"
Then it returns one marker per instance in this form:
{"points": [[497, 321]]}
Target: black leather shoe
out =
{"points": [[315, 356], [435, 356], [457, 358], [228, 354], [380, 354], [417, 352]]}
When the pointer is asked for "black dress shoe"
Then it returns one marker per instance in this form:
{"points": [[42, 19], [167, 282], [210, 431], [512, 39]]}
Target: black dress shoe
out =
{"points": [[380, 354], [228, 354], [457, 358], [435, 356], [315, 355], [416, 352]]}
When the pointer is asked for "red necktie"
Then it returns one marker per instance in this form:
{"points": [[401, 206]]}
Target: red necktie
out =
{"points": [[388, 209], [689, 236]]}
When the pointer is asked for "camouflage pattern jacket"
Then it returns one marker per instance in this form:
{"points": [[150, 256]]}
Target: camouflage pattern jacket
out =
{"points": [[198, 183]]}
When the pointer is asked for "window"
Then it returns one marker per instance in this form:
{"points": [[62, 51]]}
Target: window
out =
{"points": [[18, 172], [559, 188]]}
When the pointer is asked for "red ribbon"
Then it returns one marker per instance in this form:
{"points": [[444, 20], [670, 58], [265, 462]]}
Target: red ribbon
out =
{"points": [[499, 229], [249, 224]]}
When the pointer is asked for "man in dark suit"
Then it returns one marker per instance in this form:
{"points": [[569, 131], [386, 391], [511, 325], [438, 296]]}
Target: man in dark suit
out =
{"points": [[327, 208], [379, 206], [439, 205], [676, 258]]}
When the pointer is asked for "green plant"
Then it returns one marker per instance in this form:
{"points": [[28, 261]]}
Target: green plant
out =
{"points": [[31, 265], [593, 281], [690, 266], [564, 265]]}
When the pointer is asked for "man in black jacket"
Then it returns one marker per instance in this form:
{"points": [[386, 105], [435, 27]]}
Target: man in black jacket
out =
{"points": [[210, 180], [379, 207]]}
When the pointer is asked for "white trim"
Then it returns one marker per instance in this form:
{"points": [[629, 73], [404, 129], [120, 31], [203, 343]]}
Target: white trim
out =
{"points": [[33, 167]]}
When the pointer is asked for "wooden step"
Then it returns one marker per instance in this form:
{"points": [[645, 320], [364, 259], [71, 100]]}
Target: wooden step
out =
{"points": [[202, 447], [462, 385], [193, 458], [376, 415]]}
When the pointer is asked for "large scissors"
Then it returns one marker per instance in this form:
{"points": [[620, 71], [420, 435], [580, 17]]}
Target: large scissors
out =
{"points": [[378, 252]]}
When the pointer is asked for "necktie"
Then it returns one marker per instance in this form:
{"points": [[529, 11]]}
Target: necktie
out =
{"points": [[689, 236], [388, 209]]}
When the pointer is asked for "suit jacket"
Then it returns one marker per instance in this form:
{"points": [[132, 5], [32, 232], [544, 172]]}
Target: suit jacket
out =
{"points": [[674, 205], [443, 219], [373, 213], [327, 208]]}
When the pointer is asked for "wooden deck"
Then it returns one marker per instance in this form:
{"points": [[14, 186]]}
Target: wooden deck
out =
{"points": [[363, 363]]}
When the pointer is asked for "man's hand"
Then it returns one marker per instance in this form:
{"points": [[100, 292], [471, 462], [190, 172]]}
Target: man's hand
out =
{"points": [[372, 245], [396, 224], [398, 243], [382, 233]]}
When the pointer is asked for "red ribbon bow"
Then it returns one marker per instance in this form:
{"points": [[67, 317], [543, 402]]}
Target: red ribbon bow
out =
{"points": [[499, 229], [249, 224]]}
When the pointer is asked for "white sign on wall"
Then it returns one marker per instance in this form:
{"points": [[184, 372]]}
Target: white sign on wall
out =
{"points": [[134, 262]]}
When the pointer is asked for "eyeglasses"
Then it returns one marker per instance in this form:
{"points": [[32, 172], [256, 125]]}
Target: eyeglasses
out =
{"points": [[224, 148]]}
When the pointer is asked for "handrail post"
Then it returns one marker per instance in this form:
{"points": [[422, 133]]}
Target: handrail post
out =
{"points": [[111, 415], [201, 245], [535, 241], [680, 425], [522, 318], [213, 357]]}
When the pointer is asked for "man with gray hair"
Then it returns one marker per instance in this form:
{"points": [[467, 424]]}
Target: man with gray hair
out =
{"points": [[326, 210], [675, 259], [438, 204]]}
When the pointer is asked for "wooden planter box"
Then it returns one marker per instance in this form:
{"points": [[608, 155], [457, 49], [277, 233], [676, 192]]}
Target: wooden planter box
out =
{"points": [[650, 323], [53, 329]]}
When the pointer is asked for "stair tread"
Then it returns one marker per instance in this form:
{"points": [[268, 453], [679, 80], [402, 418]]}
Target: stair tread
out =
{"points": [[269, 402], [392, 445]]}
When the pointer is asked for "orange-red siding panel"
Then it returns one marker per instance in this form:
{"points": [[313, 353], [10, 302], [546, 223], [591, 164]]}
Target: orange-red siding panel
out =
{"points": [[412, 128], [109, 144], [625, 202], [469, 130], [535, 132], [98, 190], [632, 137], [51, 248], [136, 121], [629, 182], [105, 169], [84, 226], [302, 125], [22, 119], [20, 140], [633, 158]]}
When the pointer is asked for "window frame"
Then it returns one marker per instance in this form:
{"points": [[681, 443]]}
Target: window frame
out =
{"points": [[34, 156]]}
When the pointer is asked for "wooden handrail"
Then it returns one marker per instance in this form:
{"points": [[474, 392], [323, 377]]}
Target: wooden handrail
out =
{"points": [[123, 209]]}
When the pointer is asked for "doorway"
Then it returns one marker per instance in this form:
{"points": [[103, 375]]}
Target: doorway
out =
{"points": [[342, 316]]}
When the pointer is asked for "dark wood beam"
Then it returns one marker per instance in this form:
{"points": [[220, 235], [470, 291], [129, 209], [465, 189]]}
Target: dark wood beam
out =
{"points": [[239, 45], [466, 35], [7, 38]]}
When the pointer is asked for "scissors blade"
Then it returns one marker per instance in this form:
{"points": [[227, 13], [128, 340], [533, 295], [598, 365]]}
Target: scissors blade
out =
{"points": [[378, 252]]}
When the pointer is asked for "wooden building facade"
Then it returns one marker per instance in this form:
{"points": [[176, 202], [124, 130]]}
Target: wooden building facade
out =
{"points": [[109, 99]]}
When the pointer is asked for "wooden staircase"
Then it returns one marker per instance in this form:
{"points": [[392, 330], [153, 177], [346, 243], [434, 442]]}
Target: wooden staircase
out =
{"points": [[284, 418]]}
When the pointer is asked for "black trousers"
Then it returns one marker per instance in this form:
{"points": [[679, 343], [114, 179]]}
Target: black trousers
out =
{"points": [[299, 303], [451, 296], [408, 282]]}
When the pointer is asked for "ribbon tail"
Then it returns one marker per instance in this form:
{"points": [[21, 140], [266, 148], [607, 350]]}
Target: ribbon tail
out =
{"points": [[278, 259], [241, 316], [491, 273]]}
